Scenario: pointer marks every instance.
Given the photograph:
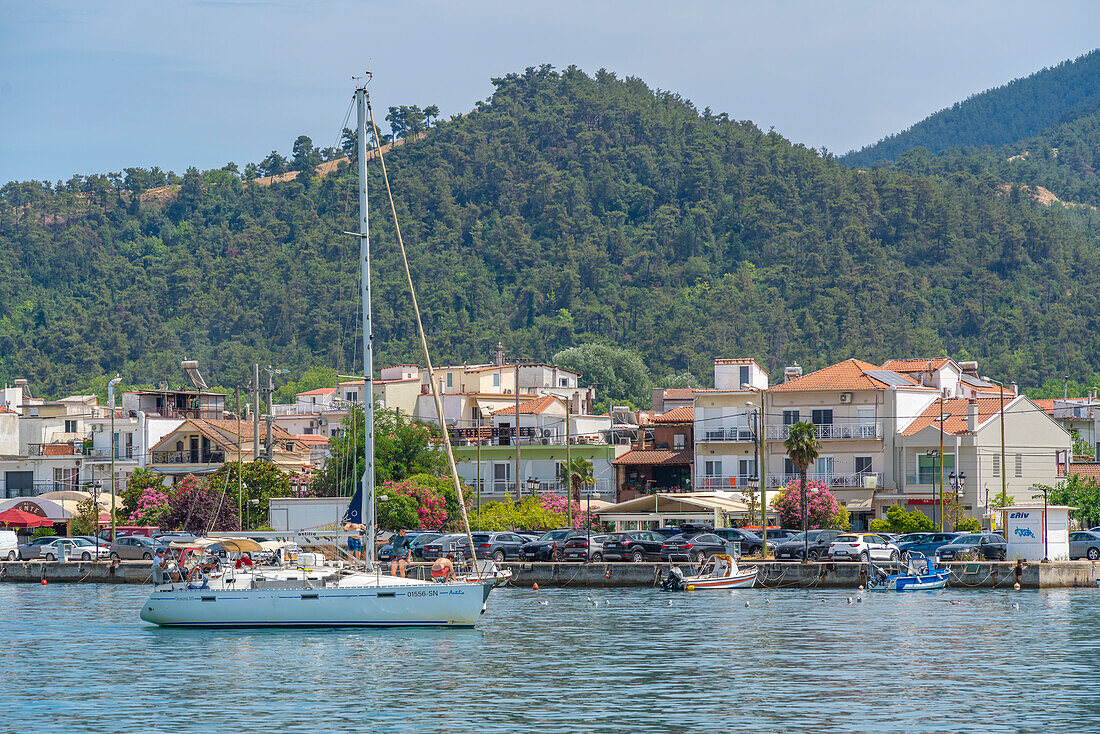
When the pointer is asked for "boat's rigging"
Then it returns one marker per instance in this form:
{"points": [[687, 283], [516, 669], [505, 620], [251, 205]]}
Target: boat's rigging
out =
{"points": [[420, 329]]}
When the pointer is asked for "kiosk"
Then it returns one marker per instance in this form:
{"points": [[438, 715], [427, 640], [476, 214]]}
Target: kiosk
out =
{"points": [[1035, 532]]}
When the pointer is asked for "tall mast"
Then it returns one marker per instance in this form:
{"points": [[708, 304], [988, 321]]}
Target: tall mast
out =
{"points": [[367, 510]]}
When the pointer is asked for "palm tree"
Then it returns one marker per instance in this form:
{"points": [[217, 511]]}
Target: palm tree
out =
{"points": [[576, 473], [802, 449]]}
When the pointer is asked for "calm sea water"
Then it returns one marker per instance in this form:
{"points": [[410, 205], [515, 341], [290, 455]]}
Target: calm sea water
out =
{"points": [[77, 658]]}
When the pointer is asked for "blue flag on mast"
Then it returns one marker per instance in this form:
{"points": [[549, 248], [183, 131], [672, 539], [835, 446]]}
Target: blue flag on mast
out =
{"points": [[354, 513]]}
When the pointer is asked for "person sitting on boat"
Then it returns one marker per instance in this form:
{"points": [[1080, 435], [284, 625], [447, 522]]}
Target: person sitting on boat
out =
{"points": [[160, 566], [401, 551], [444, 568]]}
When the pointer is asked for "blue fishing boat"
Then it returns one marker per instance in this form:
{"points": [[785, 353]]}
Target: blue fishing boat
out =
{"points": [[920, 575]]}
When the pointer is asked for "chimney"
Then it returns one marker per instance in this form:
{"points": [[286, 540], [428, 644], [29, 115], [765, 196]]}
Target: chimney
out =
{"points": [[792, 372], [1015, 389], [500, 355], [658, 397], [972, 415]]}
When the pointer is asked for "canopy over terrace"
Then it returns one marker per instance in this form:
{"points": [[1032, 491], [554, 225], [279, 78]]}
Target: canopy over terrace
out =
{"points": [[672, 509]]}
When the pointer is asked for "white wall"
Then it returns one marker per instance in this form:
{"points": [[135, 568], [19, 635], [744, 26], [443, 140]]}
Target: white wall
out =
{"points": [[306, 513]]}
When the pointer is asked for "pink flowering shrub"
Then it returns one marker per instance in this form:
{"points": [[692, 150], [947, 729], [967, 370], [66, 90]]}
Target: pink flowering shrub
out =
{"points": [[822, 509], [152, 507], [572, 513], [429, 505]]}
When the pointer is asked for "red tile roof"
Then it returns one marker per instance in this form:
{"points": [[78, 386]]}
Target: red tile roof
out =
{"points": [[538, 405], [311, 438], [679, 393], [654, 457], [915, 364], [319, 391], [1047, 404], [851, 374], [955, 411], [684, 414]]}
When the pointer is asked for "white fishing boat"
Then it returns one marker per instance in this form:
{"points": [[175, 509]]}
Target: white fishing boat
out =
{"points": [[721, 572], [920, 575], [315, 591]]}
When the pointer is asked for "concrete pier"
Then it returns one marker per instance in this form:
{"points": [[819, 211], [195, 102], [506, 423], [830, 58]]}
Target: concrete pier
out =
{"points": [[773, 574]]}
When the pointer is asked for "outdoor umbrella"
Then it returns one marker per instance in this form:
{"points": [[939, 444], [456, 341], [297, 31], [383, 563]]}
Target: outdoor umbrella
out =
{"points": [[20, 519]]}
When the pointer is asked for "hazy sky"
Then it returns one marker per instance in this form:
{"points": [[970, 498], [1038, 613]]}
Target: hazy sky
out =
{"points": [[99, 85]]}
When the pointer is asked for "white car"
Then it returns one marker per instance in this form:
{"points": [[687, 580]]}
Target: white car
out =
{"points": [[77, 549], [863, 547]]}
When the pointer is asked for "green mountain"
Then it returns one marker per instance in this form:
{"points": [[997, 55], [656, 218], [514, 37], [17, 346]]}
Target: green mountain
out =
{"points": [[566, 209], [1023, 108]]}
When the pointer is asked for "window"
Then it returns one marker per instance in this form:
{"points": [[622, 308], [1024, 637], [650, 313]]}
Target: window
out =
{"points": [[743, 376], [679, 441], [352, 397], [1019, 465], [450, 379], [563, 382], [790, 417], [309, 430], [746, 468], [863, 464], [34, 412], [996, 465], [713, 468], [928, 468], [496, 380], [502, 475], [789, 467], [129, 445], [70, 426], [823, 417]]}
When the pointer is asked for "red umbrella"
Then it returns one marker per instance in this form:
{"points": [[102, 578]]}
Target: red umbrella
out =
{"points": [[20, 519]]}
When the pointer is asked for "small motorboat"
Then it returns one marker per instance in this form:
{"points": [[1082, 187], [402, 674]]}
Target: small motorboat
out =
{"points": [[486, 571], [720, 572], [920, 575]]}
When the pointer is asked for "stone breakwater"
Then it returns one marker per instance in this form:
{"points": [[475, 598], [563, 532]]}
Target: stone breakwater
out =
{"points": [[773, 574]]}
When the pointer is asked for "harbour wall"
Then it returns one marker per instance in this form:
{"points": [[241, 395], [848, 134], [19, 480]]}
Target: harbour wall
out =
{"points": [[773, 574]]}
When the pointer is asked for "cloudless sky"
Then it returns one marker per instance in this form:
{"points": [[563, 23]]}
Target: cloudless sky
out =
{"points": [[92, 87]]}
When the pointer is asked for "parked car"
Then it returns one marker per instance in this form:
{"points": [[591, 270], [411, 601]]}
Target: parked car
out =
{"points": [[9, 545], [751, 543], [795, 546], [989, 546], [99, 549], [451, 544], [777, 535], [134, 547], [667, 533], [1084, 544], [75, 548], [633, 545], [417, 539], [924, 543], [695, 546], [863, 547], [33, 549], [549, 547], [500, 546], [587, 547]]}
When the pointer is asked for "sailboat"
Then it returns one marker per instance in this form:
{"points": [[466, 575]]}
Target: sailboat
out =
{"points": [[320, 593]]}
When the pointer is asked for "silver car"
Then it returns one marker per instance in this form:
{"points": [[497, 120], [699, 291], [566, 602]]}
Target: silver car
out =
{"points": [[133, 547], [74, 548], [33, 549], [1084, 544]]}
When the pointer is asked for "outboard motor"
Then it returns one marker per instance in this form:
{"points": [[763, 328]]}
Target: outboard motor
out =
{"points": [[674, 580]]}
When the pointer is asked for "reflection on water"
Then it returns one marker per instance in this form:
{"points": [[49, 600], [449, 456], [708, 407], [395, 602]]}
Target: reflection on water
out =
{"points": [[78, 658]]}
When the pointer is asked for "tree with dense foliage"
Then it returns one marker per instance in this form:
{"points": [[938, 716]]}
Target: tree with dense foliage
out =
{"points": [[902, 521], [259, 481], [138, 482], [402, 448], [196, 507], [85, 521], [1078, 491], [802, 449], [619, 375]]}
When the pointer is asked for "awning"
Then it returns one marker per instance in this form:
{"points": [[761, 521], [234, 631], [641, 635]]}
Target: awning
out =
{"points": [[687, 505], [20, 519], [232, 545], [655, 457], [856, 499]]}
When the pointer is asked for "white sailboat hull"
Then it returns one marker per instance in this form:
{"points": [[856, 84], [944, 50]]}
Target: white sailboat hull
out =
{"points": [[404, 605]]}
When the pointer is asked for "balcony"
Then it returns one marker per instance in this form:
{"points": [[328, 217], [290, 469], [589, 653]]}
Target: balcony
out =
{"points": [[835, 480], [55, 449], [102, 454], [602, 489], [739, 434], [727, 483], [188, 457], [827, 431]]}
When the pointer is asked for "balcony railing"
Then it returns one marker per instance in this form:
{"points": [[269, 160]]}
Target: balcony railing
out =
{"points": [[834, 479], [37, 487], [857, 431], [104, 454], [724, 482], [602, 489], [188, 457], [732, 433], [54, 449]]}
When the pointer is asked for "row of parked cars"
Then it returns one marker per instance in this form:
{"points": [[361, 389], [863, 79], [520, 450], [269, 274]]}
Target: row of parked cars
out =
{"points": [[698, 543], [85, 547]]}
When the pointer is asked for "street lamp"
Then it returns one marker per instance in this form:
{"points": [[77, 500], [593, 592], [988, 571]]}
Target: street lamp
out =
{"points": [[1046, 555], [756, 451], [958, 484], [95, 493], [533, 486]]}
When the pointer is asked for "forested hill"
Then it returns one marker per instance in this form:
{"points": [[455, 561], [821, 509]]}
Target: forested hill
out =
{"points": [[1020, 109], [566, 209]]}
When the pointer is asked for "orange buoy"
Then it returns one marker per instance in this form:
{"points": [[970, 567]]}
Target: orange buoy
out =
{"points": [[535, 586], [43, 582]]}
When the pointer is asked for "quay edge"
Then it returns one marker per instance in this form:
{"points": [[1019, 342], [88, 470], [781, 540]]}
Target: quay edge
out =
{"points": [[774, 574]]}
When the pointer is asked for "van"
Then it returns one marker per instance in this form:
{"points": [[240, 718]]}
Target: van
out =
{"points": [[9, 545]]}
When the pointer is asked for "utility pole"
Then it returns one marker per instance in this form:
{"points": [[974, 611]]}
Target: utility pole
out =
{"points": [[477, 423], [256, 412], [568, 465], [270, 410], [762, 472], [517, 432], [240, 482], [941, 464], [114, 449]]}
